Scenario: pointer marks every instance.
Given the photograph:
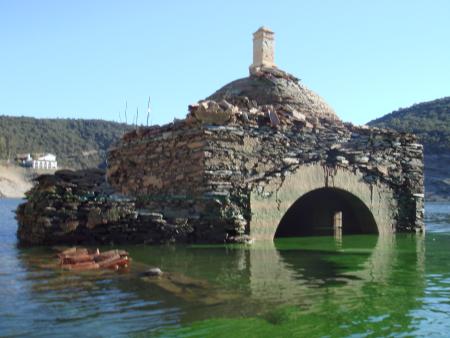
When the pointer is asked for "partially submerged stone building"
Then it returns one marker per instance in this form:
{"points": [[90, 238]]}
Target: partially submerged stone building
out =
{"points": [[263, 156]]}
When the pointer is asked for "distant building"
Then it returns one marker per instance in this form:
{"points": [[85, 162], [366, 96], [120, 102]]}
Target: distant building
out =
{"points": [[43, 161], [21, 158]]}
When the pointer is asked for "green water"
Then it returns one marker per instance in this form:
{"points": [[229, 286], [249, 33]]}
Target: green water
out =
{"points": [[360, 286]]}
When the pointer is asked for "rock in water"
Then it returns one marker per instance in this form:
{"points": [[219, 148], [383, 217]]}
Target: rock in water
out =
{"points": [[153, 272]]}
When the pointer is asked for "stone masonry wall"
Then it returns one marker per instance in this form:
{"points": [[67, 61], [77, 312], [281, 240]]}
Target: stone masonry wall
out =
{"points": [[160, 166], [163, 169], [205, 169], [256, 157], [226, 171], [79, 207]]}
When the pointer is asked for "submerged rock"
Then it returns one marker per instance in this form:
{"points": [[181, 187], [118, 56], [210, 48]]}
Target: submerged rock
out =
{"points": [[152, 272]]}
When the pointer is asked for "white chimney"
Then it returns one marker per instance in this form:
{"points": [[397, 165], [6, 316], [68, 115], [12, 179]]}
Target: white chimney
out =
{"points": [[263, 48]]}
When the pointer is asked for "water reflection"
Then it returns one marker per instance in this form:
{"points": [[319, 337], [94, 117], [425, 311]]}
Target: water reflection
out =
{"points": [[355, 285], [360, 280]]}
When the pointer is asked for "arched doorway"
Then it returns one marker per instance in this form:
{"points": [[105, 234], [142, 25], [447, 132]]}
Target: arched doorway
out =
{"points": [[271, 204], [326, 211]]}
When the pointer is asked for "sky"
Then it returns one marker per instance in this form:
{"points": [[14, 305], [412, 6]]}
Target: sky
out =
{"points": [[87, 58]]}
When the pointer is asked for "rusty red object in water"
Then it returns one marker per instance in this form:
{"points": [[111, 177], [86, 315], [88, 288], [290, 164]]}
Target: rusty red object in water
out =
{"points": [[83, 259]]}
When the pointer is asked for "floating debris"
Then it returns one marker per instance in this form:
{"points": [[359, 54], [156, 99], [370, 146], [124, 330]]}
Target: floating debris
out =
{"points": [[84, 259]]}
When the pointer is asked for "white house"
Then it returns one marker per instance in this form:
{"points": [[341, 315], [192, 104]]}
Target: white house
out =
{"points": [[45, 161]]}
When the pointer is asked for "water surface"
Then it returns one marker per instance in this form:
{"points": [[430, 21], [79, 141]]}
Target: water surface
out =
{"points": [[360, 286]]}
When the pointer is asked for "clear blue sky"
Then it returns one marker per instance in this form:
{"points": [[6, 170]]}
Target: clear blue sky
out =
{"points": [[84, 59]]}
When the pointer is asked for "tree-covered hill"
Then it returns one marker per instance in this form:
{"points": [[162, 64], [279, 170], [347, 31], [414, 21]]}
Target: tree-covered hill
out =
{"points": [[76, 143], [430, 121]]}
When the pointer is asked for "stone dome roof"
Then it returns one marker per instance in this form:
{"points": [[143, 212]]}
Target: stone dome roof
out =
{"points": [[271, 86]]}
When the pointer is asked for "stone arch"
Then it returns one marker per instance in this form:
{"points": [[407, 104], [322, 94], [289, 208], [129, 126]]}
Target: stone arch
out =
{"points": [[326, 211], [270, 203]]}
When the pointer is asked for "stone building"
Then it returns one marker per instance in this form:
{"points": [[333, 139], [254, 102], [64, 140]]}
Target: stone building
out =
{"points": [[264, 156], [42, 161]]}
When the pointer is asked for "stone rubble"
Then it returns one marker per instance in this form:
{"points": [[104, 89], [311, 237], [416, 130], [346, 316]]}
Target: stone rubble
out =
{"points": [[79, 207]]}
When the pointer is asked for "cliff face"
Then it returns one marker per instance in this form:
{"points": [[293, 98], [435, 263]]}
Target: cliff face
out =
{"points": [[430, 121]]}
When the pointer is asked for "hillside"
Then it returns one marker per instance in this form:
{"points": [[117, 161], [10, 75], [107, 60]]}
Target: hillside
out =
{"points": [[76, 143], [15, 181], [430, 121]]}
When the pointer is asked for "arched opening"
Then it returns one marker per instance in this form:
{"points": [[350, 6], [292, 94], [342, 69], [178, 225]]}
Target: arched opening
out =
{"points": [[327, 211]]}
